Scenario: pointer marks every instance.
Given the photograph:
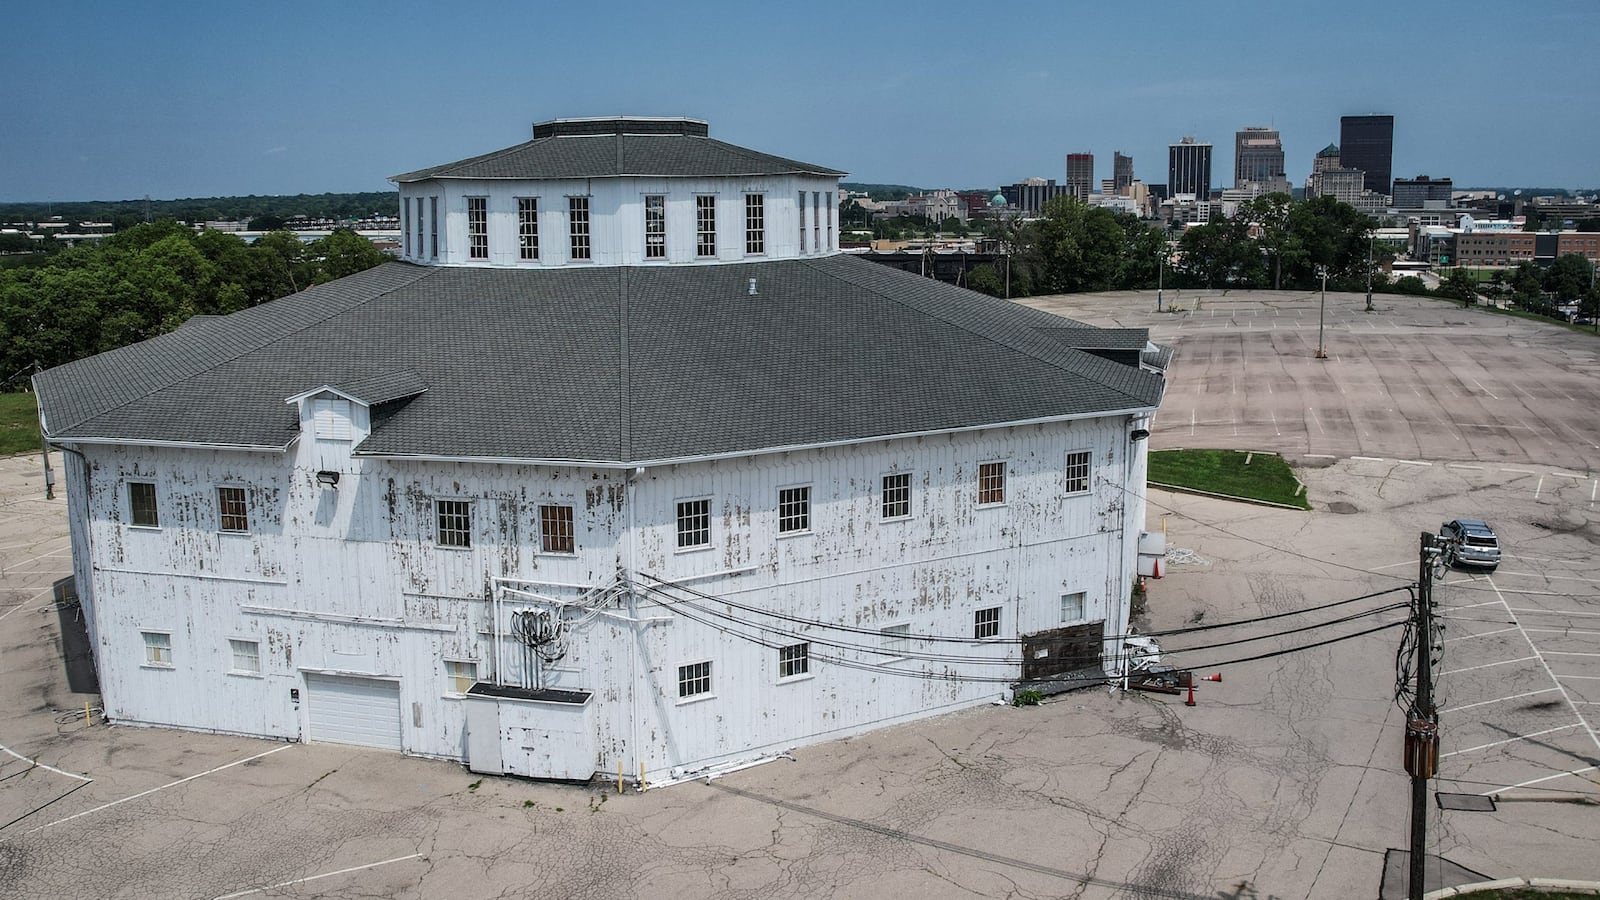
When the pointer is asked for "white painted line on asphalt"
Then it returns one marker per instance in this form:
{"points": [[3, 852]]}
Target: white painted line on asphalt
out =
{"points": [[1568, 653], [39, 765], [1472, 605], [1461, 466], [1568, 475], [1592, 488], [1500, 699], [1320, 456], [1403, 562], [28, 602], [1368, 458], [280, 884], [1560, 631], [1274, 422], [1484, 389], [1547, 670], [1191, 423], [1414, 462], [1503, 662], [1468, 637], [1552, 577], [1538, 487], [1511, 740], [105, 806], [1584, 677], [1519, 784], [1314, 418], [1518, 471], [1548, 612]]}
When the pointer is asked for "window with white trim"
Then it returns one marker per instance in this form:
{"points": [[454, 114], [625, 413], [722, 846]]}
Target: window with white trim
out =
{"points": [[142, 504], [896, 495], [245, 657], [330, 418], [460, 675], [1072, 606], [478, 227], [830, 205], [1077, 481], [705, 225], [991, 483], [801, 208], [157, 648], [233, 511], [578, 226], [896, 641], [555, 529], [816, 219], [527, 227], [986, 623], [794, 510], [433, 226], [405, 223], [694, 523], [755, 224], [454, 523], [655, 226], [794, 660], [694, 679]]}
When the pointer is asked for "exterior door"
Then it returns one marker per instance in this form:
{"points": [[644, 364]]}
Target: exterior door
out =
{"points": [[360, 711]]}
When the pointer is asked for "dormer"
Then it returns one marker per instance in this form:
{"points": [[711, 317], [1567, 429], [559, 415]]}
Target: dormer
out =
{"points": [[335, 418], [618, 192]]}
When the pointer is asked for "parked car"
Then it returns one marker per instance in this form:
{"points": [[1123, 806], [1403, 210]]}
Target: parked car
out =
{"points": [[1470, 542]]}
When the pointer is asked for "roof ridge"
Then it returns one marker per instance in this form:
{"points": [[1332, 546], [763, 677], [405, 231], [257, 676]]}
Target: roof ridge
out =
{"points": [[1090, 360], [277, 336]]}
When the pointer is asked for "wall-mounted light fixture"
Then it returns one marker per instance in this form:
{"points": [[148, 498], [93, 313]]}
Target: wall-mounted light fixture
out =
{"points": [[328, 478], [1138, 434]]}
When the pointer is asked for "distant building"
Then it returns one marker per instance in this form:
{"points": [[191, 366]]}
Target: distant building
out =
{"points": [[1367, 143], [1189, 168], [1327, 158], [1421, 191], [1080, 175], [976, 202], [1121, 172], [1346, 186], [1031, 194], [1258, 157]]}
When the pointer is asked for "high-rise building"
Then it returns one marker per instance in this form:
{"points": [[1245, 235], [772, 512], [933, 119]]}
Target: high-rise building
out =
{"points": [[1080, 175], [1189, 168], [1327, 159], [1121, 173], [1367, 143], [1257, 156], [1415, 193]]}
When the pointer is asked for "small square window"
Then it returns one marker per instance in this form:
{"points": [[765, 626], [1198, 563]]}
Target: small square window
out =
{"points": [[233, 514], [896, 641], [896, 495], [1072, 607], [460, 676], [1077, 481], [794, 510], [991, 483], [142, 504], [454, 522], [246, 657], [555, 529], [694, 523], [986, 623], [157, 648], [694, 679], [794, 660]]}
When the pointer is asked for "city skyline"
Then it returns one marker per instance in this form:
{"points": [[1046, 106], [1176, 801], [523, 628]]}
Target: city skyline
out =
{"points": [[110, 102]]}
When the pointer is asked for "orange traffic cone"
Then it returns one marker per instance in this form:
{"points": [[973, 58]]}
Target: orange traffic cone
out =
{"points": [[1190, 700], [1216, 677]]}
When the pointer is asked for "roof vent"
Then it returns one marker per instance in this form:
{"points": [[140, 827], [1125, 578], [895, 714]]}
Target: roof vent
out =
{"points": [[752, 287]]}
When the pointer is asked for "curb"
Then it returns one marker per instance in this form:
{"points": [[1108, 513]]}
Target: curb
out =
{"points": [[1537, 884], [1196, 491]]}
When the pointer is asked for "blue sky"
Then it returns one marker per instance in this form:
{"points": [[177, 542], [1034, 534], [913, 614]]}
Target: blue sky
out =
{"points": [[120, 100]]}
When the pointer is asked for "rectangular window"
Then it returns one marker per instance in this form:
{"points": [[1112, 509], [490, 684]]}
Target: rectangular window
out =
{"points": [[1072, 607], [794, 510], [793, 660], [232, 512], [896, 641], [157, 648], [246, 657], [555, 529], [705, 226], [405, 223], [801, 207], [460, 676], [897, 495], [433, 226], [694, 679], [830, 224], [755, 224], [454, 522], [419, 227], [655, 226], [694, 523], [142, 504], [991, 483], [1077, 472], [527, 227], [478, 227], [816, 218], [986, 623], [578, 226]]}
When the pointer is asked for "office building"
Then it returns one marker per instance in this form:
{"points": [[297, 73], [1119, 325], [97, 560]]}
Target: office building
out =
{"points": [[1080, 175], [1189, 168], [1367, 143], [1121, 172], [1257, 157]]}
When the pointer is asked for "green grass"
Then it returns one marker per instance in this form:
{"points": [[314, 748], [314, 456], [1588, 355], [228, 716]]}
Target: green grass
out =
{"points": [[1265, 477], [19, 424], [1525, 894]]}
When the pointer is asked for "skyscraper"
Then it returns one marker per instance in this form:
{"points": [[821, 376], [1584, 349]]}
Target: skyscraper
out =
{"points": [[1367, 143], [1121, 173], [1080, 175], [1257, 156], [1189, 168]]}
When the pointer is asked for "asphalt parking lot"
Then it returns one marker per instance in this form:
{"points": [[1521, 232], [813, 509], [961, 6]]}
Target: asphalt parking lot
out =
{"points": [[1284, 781]]}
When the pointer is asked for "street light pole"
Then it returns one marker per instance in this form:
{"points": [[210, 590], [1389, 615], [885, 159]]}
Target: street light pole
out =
{"points": [[1370, 239], [1161, 272], [1321, 308]]}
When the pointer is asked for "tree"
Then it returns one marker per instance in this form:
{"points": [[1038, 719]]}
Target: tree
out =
{"points": [[985, 279], [1568, 277], [1074, 247], [343, 252], [1460, 285]]}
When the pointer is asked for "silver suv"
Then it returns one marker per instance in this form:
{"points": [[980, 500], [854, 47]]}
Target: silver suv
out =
{"points": [[1470, 542]]}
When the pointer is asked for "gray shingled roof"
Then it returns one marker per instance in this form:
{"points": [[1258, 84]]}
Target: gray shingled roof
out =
{"points": [[622, 364], [610, 155]]}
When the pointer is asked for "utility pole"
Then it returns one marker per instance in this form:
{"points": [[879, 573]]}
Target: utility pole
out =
{"points": [[1370, 239], [1321, 307], [1422, 720], [1161, 272]]}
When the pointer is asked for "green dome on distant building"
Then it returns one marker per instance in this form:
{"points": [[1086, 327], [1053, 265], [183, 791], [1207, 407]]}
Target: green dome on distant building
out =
{"points": [[998, 200], [1330, 150]]}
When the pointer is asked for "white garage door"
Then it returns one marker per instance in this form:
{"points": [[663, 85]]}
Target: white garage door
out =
{"points": [[363, 711]]}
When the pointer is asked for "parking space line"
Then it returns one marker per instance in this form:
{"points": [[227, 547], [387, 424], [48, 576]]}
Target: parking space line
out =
{"points": [[1560, 631], [1517, 609], [1414, 462], [39, 765], [1518, 471], [1503, 662], [280, 884], [1512, 787], [1514, 740], [1368, 458], [1460, 466], [1568, 653], [1548, 671], [1468, 637], [1538, 487], [1499, 700], [105, 806], [1547, 575], [1471, 606]]}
